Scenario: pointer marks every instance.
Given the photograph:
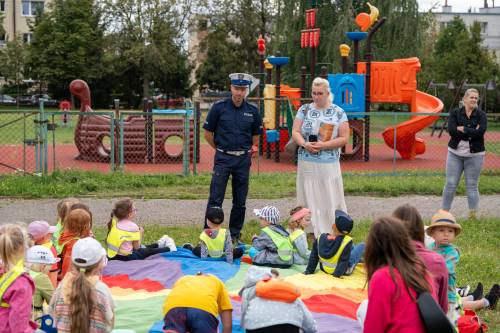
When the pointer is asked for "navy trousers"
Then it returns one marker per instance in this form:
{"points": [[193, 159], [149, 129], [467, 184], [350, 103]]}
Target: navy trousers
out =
{"points": [[238, 167]]}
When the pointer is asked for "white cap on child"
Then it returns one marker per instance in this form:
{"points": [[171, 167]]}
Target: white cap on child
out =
{"points": [[87, 252], [39, 254]]}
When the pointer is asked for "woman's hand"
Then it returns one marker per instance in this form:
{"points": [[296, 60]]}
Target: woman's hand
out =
{"points": [[319, 145], [460, 129], [311, 147]]}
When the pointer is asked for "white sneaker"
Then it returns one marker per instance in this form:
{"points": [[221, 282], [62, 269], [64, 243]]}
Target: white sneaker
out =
{"points": [[169, 242], [161, 241]]}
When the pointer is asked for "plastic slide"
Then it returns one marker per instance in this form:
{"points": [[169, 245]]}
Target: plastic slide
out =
{"points": [[396, 82], [407, 144]]}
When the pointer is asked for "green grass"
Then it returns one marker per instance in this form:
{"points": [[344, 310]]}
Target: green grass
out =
{"points": [[264, 186], [478, 244]]}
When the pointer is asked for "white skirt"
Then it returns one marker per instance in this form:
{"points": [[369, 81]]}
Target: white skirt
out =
{"points": [[320, 188]]}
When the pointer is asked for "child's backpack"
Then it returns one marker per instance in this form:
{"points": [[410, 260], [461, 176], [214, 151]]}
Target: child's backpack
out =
{"points": [[469, 322]]}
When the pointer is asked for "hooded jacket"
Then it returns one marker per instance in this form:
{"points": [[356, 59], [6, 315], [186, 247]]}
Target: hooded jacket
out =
{"points": [[268, 252], [327, 248]]}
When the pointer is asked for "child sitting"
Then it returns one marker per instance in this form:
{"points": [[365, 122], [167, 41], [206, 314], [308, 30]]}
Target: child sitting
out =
{"points": [[194, 304], [77, 225], [124, 236], [300, 218], [39, 260], [16, 286], [81, 302], [291, 315], [272, 247], [41, 233], [335, 251], [215, 242], [63, 208]]}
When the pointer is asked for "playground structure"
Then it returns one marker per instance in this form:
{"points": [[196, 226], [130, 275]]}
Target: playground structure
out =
{"points": [[368, 82], [144, 138]]}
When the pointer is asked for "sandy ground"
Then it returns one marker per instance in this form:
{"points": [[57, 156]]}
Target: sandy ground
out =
{"points": [[190, 212]]}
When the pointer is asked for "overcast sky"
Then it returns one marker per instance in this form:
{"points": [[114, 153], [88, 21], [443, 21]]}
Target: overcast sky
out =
{"points": [[456, 5]]}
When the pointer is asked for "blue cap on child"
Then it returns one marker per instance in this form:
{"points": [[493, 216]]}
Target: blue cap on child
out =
{"points": [[343, 222]]}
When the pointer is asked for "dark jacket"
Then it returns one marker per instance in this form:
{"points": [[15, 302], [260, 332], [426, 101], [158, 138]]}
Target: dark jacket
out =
{"points": [[328, 248], [472, 133]]}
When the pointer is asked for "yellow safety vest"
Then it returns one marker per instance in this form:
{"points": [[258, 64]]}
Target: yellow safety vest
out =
{"points": [[215, 246], [7, 279], [330, 264], [294, 235], [56, 235], [117, 236], [285, 247]]}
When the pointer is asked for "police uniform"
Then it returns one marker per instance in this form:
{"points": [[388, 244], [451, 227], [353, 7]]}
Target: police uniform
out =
{"points": [[233, 129]]}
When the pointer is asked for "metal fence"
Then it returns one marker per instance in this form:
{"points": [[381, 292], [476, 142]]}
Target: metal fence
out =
{"points": [[40, 141]]}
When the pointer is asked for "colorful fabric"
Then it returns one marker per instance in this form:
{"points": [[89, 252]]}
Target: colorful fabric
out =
{"points": [[333, 302]]}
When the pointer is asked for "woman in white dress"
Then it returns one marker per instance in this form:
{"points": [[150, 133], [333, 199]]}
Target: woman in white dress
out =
{"points": [[320, 129]]}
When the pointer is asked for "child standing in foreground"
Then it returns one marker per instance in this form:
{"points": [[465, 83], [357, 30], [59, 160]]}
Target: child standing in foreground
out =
{"points": [[81, 302], [41, 233], [335, 251], [300, 218], [194, 304], [215, 242], [16, 286], [124, 236], [39, 260], [272, 247]]}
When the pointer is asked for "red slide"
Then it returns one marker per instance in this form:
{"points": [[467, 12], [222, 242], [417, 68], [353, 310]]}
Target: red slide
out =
{"points": [[407, 144], [396, 82]]}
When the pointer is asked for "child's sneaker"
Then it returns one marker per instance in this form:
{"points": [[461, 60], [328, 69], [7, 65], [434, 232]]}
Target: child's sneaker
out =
{"points": [[350, 270], [169, 242], [463, 291], [493, 296], [478, 292], [188, 246]]}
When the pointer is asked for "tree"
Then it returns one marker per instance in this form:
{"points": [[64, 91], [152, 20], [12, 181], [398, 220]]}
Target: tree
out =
{"points": [[13, 58], [67, 44], [146, 44], [459, 55]]}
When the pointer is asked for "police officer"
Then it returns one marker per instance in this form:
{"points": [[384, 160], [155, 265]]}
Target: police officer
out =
{"points": [[232, 127]]}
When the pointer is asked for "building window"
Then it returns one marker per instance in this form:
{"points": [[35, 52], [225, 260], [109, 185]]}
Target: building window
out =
{"points": [[2, 6], [32, 8], [28, 38], [484, 27]]}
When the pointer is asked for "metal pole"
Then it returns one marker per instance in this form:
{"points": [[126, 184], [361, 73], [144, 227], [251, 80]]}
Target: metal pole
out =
{"points": [[112, 141], [303, 78], [368, 58], [260, 93], [196, 139], [313, 63], [44, 137], [122, 168], [149, 132], [356, 56], [185, 155], [278, 113]]}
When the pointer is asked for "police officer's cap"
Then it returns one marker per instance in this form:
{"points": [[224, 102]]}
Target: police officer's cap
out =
{"points": [[241, 79]]}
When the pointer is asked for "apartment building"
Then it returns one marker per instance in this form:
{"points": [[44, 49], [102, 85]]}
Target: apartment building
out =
{"points": [[16, 15]]}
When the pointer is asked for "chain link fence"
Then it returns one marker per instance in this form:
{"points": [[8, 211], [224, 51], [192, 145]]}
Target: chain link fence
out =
{"points": [[41, 141]]}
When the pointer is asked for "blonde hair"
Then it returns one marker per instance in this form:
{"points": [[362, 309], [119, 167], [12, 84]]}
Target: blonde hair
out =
{"points": [[470, 91], [320, 82], [63, 207], [13, 244]]}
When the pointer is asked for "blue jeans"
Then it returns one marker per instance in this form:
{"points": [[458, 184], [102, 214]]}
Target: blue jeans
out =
{"points": [[356, 254], [471, 167]]}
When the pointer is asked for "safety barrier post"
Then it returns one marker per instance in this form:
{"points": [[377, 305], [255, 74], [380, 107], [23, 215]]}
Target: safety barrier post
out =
{"points": [[185, 155]]}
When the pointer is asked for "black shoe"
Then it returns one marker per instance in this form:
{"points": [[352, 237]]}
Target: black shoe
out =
{"points": [[463, 291], [236, 241], [478, 292], [493, 296], [188, 246]]}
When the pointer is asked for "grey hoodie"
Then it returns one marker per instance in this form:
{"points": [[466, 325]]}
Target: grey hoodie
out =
{"points": [[258, 313], [268, 254]]}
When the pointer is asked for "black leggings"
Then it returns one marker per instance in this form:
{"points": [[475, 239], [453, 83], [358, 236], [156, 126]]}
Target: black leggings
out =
{"points": [[283, 328], [142, 253], [237, 252]]}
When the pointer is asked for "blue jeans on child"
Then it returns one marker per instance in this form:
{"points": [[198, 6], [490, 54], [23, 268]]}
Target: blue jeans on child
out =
{"points": [[184, 320], [471, 167], [356, 254]]}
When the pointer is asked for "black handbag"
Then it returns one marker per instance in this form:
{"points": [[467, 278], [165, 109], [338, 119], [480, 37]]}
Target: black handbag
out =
{"points": [[433, 317]]}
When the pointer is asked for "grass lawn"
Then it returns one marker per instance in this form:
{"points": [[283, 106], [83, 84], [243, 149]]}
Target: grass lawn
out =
{"points": [[478, 244], [266, 185]]}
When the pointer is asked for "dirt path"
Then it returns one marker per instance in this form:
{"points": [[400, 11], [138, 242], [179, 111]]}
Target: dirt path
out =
{"points": [[186, 212]]}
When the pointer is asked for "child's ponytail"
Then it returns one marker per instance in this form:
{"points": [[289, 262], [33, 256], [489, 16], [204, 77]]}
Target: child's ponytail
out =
{"points": [[82, 301], [13, 243]]}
